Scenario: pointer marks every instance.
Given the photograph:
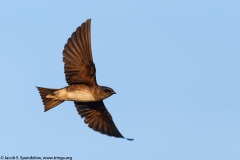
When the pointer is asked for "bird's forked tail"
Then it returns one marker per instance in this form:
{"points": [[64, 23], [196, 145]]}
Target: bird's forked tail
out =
{"points": [[49, 103]]}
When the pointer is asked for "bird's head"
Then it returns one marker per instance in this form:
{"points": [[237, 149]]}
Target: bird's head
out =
{"points": [[107, 91]]}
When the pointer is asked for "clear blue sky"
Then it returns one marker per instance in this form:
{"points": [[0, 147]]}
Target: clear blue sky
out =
{"points": [[174, 65]]}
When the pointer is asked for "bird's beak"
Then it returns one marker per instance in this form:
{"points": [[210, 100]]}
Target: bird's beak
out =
{"points": [[114, 92]]}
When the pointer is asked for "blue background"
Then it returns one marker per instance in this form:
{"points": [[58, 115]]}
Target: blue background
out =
{"points": [[174, 65]]}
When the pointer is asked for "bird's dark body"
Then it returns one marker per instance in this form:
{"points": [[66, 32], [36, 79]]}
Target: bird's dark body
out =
{"points": [[83, 90]]}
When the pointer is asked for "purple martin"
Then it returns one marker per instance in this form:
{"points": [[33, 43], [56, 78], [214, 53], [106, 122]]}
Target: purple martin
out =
{"points": [[82, 89]]}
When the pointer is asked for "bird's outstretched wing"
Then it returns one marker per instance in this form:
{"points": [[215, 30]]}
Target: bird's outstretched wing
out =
{"points": [[77, 57], [98, 118]]}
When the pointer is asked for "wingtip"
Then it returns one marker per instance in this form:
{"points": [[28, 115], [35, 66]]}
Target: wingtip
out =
{"points": [[89, 20], [130, 139]]}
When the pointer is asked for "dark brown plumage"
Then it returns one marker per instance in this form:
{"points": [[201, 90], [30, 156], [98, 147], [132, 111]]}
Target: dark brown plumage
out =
{"points": [[77, 56], [80, 73], [98, 118]]}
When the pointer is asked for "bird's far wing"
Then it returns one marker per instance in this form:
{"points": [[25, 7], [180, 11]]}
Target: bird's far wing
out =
{"points": [[77, 57], [98, 118]]}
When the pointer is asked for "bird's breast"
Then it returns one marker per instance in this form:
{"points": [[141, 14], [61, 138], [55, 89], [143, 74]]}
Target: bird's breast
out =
{"points": [[80, 95]]}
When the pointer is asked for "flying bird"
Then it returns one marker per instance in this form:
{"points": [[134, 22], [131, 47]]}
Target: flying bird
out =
{"points": [[82, 89]]}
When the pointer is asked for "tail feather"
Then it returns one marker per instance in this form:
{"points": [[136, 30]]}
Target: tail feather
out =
{"points": [[49, 103]]}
